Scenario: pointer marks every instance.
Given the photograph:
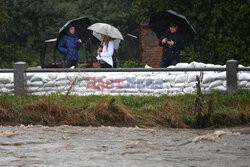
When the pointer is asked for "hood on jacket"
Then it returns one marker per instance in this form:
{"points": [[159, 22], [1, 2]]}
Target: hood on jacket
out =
{"points": [[68, 33]]}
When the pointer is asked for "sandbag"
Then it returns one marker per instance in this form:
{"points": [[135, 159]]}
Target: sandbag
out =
{"points": [[36, 78], [244, 76], [222, 88], [9, 86], [5, 90], [37, 84], [29, 75], [215, 84], [191, 77], [170, 78], [166, 85], [198, 65], [176, 90], [221, 75], [52, 77], [224, 83], [191, 84], [189, 90], [182, 65], [32, 89], [248, 85], [50, 84], [242, 84], [181, 78], [178, 85], [160, 91], [209, 77], [61, 83], [4, 79], [61, 76]]}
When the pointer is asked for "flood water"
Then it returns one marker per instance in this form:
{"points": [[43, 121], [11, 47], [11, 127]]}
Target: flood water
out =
{"points": [[36, 146]]}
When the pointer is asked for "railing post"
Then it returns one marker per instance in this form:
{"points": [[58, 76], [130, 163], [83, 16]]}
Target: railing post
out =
{"points": [[20, 81], [232, 69]]}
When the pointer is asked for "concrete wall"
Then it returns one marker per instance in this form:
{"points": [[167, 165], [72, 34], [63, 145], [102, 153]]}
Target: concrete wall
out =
{"points": [[124, 83]]}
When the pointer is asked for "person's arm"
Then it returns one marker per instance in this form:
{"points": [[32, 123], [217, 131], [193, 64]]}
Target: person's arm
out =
{"points": [[78, 44], [179, 45], [61, 45], [110, 51], [163, 37]]}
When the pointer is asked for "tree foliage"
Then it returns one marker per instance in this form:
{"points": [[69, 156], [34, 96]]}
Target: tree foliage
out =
{"points": [[3, 13]]}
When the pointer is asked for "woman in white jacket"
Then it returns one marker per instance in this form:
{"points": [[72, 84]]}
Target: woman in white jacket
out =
{"points": [[105, 54]]}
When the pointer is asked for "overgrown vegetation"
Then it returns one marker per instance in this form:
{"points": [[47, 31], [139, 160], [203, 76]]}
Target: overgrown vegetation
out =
{"points": [[165, 111], [131, 64]]}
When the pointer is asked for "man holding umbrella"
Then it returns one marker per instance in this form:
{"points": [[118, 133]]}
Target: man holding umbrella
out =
{"points": [[175, 38], [172, 44]]}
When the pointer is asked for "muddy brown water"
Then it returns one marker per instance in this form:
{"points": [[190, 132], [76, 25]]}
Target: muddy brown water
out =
{"points": [[39, 146]]}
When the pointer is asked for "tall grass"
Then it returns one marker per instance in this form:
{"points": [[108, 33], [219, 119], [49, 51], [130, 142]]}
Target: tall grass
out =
{"points": [[145, 111]]}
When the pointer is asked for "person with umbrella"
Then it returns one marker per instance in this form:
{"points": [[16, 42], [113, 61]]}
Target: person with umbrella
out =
{"points": [[172, 44], [180, 33], [105, 53], [69, 46], [110, 38]]}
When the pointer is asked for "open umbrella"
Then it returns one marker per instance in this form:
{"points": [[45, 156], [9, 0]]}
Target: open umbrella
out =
{"points": [[81, 24], [106, 29], [159, 22], [116, 41]]}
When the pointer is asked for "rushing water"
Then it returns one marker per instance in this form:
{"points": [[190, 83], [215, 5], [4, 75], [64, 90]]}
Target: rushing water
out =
{"points": [[34, 146]]}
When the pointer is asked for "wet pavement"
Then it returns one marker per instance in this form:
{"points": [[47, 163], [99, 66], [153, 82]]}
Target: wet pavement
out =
{"points": [[64, 146]]}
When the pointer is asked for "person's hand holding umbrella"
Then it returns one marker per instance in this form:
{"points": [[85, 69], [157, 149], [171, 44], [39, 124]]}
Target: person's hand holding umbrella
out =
{"points": [[165, 40], [171, 43], [99, 51]]}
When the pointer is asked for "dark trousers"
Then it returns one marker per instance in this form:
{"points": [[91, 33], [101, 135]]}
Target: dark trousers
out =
{"points": [[70, 63], [165, 63], [105, 65]]}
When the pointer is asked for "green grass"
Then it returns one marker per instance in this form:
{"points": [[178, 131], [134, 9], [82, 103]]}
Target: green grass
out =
{"points": [[146, 111]]}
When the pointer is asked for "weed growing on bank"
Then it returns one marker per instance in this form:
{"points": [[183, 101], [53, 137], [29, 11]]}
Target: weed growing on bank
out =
{"points": [[218, 109]]}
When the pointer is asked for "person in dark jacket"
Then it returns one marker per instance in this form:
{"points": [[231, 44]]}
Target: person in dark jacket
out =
{"points": [[69, 46], [172, 44]]}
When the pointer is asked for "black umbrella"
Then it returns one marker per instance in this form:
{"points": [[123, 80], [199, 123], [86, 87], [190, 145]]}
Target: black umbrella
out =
{"points": [[159, 22], [81, 24]]}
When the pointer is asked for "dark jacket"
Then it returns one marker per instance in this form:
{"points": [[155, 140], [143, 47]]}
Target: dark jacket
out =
{"points": [[69, 46], [172, 52]]}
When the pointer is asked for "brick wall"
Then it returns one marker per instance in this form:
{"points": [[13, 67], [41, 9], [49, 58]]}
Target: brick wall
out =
{"points": [[150, 51]]}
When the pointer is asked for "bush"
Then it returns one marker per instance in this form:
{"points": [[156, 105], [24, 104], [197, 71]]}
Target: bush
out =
{"points": [[131, 64], [11, 53]]}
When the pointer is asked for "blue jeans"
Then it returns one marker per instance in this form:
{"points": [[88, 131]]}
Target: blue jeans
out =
{"points": [[165, 63]]}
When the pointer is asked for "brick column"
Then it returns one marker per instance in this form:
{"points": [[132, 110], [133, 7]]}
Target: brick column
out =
{"points": [[151, 52]]}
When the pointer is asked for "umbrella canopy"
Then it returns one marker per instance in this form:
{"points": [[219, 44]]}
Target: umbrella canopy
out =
{"points": [[81, 24], [159, 22], [116, 41], [106, 29]]}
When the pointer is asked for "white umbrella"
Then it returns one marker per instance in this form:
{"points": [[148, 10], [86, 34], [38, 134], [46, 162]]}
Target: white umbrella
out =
{"points": [[116, 41], [106, 29], [98, 36]]}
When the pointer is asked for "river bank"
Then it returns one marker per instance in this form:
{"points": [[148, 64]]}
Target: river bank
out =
{"points": [[217, 109]]}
